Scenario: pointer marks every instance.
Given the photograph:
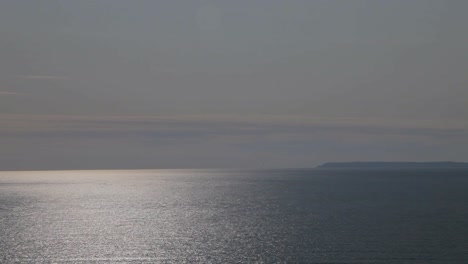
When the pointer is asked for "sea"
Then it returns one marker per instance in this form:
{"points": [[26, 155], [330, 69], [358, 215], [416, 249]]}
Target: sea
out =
{"points": [[234, 216]]}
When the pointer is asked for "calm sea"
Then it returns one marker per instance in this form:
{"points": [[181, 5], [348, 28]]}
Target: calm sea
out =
{"points": [[234, 216]]}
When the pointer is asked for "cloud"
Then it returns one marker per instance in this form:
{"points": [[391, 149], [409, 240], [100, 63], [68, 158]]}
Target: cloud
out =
{"points": [[86, 142], [9, 93], [42, 77], [263, 128]]}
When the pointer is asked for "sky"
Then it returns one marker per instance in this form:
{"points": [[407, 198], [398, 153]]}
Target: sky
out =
{"points": [[114, 84]]}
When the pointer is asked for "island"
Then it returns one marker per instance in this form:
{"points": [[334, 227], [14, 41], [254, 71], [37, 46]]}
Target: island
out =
{"points": [[393, 165]]}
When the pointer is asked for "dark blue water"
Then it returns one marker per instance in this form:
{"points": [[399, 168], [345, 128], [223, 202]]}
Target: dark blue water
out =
{"points": [[216, 216]]}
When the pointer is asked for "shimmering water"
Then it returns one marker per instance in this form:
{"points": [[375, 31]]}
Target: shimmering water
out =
{"points": [[215, 216]]}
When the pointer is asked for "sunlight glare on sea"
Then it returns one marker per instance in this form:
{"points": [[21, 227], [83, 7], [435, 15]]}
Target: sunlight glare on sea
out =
{"points": [[147, 216]]}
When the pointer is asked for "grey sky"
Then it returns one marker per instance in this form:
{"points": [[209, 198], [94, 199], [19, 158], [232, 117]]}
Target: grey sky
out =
{"points": [[311, 81]]}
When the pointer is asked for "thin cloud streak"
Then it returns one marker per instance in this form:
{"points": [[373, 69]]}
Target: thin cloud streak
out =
{"points": [[193, 127], [42, 77], [9, 93]]}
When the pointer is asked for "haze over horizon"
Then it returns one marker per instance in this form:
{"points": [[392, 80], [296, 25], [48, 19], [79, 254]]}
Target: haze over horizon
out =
{"points": [[229, 84]]}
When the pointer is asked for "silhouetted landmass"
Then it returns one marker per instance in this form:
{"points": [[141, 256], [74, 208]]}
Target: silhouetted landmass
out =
{"points": [[396, 165]]}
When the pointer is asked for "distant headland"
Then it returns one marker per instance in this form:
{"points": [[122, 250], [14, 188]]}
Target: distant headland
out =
{"points": [[396, 165]]}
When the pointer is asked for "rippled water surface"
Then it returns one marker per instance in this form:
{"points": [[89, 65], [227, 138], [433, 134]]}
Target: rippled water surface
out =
{"points": [[221, 216]]}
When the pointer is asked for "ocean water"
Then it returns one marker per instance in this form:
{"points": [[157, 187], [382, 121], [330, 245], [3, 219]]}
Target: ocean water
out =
{"points": [[234, 216]]}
